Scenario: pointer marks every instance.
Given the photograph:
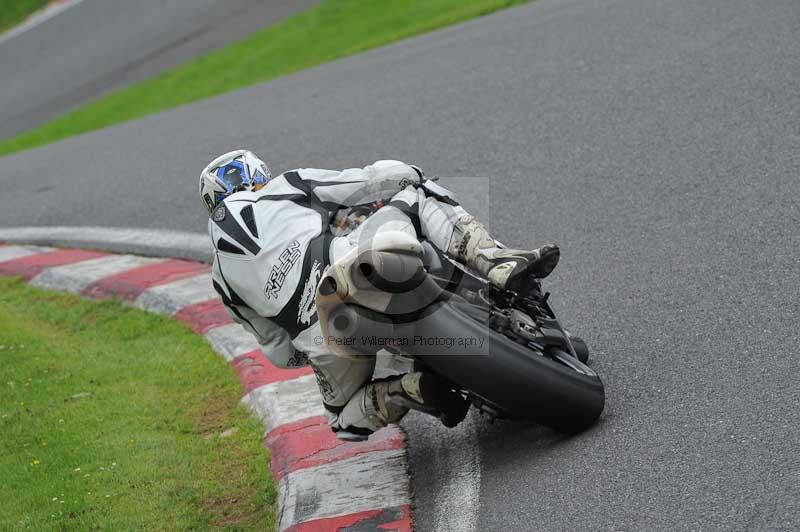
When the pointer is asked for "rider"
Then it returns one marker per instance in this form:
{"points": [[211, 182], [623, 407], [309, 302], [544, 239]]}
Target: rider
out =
{"points": [[273, 237]]}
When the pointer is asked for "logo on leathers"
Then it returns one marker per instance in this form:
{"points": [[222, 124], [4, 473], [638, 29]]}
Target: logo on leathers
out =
{"points": [[286, 260], [308, 302], [325, 388]]}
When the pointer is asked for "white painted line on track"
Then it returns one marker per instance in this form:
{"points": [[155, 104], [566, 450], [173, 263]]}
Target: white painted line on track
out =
{"points": [[459, 459], [171, 297], [158, 242], [76, 277], [380, 478], [39, 17], [284, 402]]}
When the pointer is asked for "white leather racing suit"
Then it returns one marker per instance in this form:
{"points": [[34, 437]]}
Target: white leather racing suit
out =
{"points": [[273, 245]]}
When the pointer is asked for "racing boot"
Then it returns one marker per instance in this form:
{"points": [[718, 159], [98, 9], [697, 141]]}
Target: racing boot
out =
{"points": [[419, 391], [509, 269]]}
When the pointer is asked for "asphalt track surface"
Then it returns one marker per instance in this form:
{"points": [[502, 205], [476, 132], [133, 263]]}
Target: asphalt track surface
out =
{"points": [[657, 142], [100, 45]]}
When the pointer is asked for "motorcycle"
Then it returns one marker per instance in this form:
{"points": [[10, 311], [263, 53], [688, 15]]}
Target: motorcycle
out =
{"points": [[506, 352]]}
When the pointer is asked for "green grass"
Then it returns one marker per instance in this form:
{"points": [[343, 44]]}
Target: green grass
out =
{"points": [[112, 418], [12, 12], [331, 29]]}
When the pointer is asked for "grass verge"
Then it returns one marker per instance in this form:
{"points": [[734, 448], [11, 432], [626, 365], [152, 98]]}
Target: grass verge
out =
{"points": [[12, 12], [115, 419], [331, 29]]}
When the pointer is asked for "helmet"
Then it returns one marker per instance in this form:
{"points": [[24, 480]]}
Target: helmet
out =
{"points": [[233, 172]]}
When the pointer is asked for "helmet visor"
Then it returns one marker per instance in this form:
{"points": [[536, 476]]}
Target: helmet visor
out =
{"points": [[233, 176]]}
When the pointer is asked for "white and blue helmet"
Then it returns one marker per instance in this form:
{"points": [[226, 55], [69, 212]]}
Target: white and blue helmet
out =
{"points": [[233, 172]]}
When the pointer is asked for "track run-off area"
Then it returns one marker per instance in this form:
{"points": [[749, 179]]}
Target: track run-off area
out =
{"points": [[307, 461]]}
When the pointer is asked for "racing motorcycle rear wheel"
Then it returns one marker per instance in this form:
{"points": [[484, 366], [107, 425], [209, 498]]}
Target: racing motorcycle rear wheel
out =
{"points": [[549, 386]]}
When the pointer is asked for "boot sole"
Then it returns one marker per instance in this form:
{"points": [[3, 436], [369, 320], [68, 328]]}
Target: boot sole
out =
{"points": [[538, 269], [545, 265]]}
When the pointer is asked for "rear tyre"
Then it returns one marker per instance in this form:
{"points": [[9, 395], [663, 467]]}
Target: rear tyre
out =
{"points": [[562, 394]]}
